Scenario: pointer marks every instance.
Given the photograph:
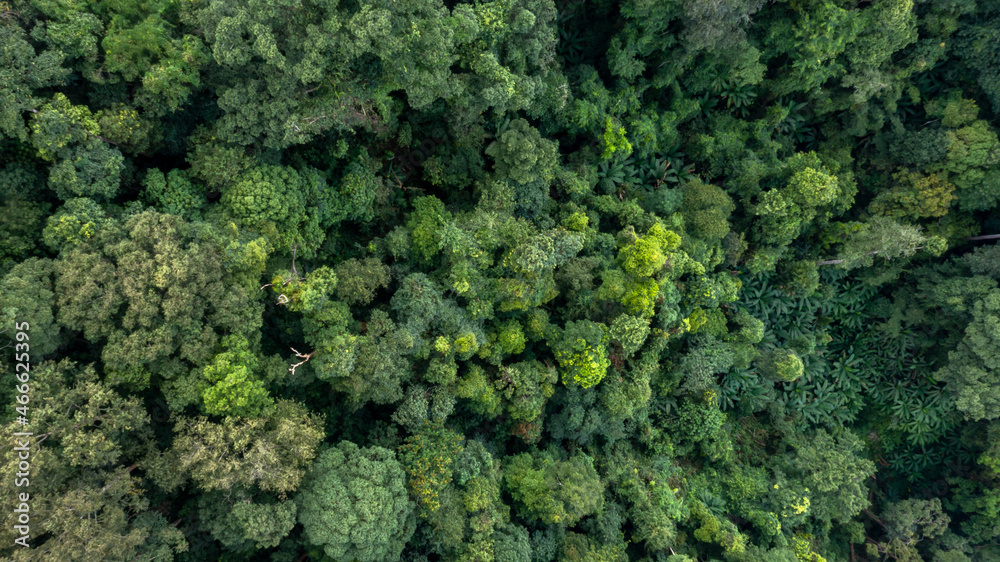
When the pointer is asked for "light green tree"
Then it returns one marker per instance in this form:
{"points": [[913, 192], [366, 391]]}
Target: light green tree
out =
{"points": [[554, 491]]}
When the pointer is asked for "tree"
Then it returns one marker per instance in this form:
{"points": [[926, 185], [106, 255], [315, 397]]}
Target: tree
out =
{"points": [[427, 456], [358, 280], [781, 364], [526, 387], [22, 214], [83, 440], [915, 196], [717, 26], [645, 255], [581, 350], [271, 453], [706, 210], [174, 193], [529, 266], [156, 290], [276, 88], [26, 293], [355, 506], [308, 293], [521, 154], [511, 544], [138, 44], [973, 367], [642, 258], [888, 27], [884, 238], [984, 260], [381, 364], [235, 391], [241, 522], [83, 163], [833, 470], [555, 491], [425, 225], [24, 70], [76, 223], [973, 153], [284, 204], [815, 38], [786, 211], [910, 521], [630, 332], [702, 424]]}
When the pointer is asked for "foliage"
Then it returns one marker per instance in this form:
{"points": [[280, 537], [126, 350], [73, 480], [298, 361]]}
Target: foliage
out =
{"points": [[354, 504], [272, 454], [271, 262], [521, 154], [427, 457], [555, 491], [582, 353]]}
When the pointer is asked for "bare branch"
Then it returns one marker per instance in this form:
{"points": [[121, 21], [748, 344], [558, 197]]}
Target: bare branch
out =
{"points": [[304, 357]]}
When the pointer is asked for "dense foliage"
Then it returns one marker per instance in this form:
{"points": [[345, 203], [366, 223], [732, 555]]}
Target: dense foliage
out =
{"points": [[501, 281]]}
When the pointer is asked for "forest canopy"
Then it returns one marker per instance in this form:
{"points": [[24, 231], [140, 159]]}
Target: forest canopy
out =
{"points": [[500, 281]]}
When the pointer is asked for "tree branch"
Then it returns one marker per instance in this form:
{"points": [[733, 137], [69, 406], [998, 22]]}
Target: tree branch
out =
{"points": [[305, 359]]}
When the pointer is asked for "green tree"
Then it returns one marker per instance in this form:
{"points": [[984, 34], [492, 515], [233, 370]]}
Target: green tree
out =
{"points": [[85, 502], [480, 392], [781, 364], [815, 37], [22, 214], [554, 491], [24, 70], [526, 387], [174, 193], [786, 211], [354, 504], [26, 294], [915, 196], [381, 364], [908, 522], [241, 524], [277, 89], [76, 223], [283, 204], [271, 453], [426, 224], [358, 280], [834, 471], [885, 238], [307, 294], [973, 367], [427, 457], [141, 46], [581, 350], [706, 210], [83, 163], [521, 154], [630, 332], [158, 294], [234, 390]]}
